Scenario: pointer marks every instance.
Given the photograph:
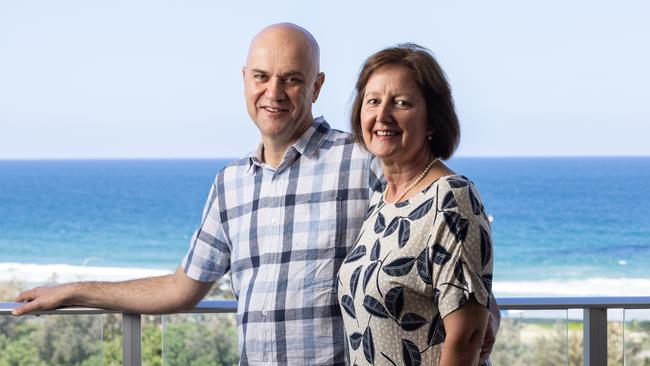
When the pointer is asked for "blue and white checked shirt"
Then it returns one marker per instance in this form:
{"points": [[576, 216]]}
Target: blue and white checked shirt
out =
{"points": [[283, 234]]}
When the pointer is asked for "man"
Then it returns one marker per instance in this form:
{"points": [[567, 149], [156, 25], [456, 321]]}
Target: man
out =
{"points": [[280, 220]]}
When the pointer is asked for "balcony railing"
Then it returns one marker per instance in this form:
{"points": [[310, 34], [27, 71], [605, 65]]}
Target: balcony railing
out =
{"points": [[594, 319]]}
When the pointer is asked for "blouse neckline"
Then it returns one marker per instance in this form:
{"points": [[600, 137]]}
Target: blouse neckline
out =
{"points": [[423, 191]]}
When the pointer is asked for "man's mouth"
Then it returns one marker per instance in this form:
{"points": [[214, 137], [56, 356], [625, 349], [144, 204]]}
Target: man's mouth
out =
{"points": [[273, 109]]}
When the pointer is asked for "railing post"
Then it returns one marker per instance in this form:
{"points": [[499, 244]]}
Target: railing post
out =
{"points": [[131, 340], [595, 337]]}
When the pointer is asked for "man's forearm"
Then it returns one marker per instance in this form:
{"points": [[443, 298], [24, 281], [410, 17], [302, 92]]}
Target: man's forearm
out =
{"points": [[146, 295], [152, 295]]}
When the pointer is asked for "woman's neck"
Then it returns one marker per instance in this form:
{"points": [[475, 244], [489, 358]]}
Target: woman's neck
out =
{"points": [[400, 175], [399, 190]]}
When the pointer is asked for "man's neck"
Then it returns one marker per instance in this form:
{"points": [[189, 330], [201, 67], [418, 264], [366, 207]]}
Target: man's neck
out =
{"points": [[274, 149], [273, 154]]}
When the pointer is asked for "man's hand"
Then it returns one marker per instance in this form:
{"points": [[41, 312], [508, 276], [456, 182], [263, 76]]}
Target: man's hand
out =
{"points": [[45, 298], [494, 320]]}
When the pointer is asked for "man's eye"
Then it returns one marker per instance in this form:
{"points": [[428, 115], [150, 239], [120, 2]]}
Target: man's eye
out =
{"points": [[401, 103], [293, 80], [259, 77]]}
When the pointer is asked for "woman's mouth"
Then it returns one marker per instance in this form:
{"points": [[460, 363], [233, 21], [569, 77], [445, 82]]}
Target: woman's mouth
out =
{"points": [[383, 133]]}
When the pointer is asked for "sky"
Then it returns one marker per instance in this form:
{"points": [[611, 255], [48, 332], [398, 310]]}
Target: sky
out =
{"points": [[162, 79]]}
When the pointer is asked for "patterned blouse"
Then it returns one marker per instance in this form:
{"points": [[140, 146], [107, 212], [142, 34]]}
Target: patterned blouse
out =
{"points": [[413, 263]]}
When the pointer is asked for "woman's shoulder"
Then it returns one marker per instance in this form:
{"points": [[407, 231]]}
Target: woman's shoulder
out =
{"points": [[459, 191], [454, 181]]}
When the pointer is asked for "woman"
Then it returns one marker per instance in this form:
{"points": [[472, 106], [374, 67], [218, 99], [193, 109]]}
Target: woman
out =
{"points": [[420, 273]]}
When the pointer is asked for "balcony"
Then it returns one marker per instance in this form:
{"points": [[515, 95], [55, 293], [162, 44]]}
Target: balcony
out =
{"points": [[609, 330]]}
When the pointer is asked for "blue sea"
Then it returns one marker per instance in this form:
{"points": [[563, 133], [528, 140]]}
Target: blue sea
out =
{"points": [[556, 221]]}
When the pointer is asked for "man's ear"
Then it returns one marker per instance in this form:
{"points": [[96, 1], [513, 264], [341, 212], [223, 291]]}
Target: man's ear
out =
{"points": [[243, 72], [320, 80]]}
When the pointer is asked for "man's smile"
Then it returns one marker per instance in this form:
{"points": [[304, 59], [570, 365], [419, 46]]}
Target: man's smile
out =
{"points": [[274, 109]]}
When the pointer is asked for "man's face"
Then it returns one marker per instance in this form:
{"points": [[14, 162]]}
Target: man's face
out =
{"points": [[280, 85]]}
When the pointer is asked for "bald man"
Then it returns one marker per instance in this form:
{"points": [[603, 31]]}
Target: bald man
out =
{"points": [[280, 220]]}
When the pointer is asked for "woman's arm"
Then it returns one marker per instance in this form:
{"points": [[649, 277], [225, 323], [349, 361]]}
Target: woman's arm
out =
{"points": [[465, 328], [494, 320]]}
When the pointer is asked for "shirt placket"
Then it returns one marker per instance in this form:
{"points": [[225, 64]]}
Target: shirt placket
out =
{"points": [[278, 189]]}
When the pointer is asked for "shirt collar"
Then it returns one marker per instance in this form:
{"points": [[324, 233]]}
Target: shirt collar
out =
{"points": [[306, 145], [310, 141]]}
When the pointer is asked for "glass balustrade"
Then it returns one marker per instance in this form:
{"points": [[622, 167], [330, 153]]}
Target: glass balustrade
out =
{"points": [[636, 337], [200, 339], [539, 331], [532, 338]]}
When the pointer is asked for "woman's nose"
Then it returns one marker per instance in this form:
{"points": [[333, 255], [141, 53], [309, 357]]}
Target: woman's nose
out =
{"points": [[384, 113]]}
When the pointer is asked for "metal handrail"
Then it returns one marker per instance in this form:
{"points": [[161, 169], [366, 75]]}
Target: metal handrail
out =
{"points": [[595, 319], [505, 303], [559, 303], [205, 306]]}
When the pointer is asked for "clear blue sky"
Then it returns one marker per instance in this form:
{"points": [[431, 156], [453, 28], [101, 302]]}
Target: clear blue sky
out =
{"points": [[137, 79]]}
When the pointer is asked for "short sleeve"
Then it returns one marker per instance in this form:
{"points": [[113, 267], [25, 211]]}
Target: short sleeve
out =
{"points": [[461, 252], [208, 257]]}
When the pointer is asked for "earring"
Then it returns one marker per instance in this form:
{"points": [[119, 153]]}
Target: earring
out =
{"points": [[429, 135]]}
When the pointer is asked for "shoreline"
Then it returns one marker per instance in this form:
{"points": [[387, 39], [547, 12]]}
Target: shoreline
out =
{"points": [[38, 274], [30, 273]]}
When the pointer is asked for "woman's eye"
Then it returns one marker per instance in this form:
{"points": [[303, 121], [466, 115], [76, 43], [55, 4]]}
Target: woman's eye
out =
{"points": [[401, 103], [372, 101]]}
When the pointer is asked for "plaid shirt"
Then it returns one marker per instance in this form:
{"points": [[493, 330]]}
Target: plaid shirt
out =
{"points": [[283, 234]]}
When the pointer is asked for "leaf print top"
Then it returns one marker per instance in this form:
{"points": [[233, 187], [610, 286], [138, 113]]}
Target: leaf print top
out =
{"points": [[414, 263]]}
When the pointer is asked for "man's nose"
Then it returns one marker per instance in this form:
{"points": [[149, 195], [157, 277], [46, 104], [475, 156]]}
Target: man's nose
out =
{"points": [[275, 89]]}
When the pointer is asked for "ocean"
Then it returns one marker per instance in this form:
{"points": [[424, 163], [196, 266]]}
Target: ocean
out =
{"points": [[561, 226]]}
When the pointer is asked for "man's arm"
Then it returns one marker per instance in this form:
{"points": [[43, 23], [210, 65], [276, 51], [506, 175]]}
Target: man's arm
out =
{"points": [[465, 328], [151, 295]]}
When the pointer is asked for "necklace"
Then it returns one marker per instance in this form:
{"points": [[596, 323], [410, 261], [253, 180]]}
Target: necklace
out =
{"points": [[413, 184]]}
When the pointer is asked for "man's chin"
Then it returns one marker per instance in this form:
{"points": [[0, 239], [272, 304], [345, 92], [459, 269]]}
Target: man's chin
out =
{"points": [[282, 128], [274, 129]]}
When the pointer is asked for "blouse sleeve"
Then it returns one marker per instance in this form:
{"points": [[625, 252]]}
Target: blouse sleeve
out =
{"points": [[461, 249]]}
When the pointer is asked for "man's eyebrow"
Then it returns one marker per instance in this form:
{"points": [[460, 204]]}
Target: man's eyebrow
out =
{"points": [[284, 75], [293, 73]]}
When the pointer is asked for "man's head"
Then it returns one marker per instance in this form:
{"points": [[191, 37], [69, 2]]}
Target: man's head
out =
{"points": [[281, 81]]}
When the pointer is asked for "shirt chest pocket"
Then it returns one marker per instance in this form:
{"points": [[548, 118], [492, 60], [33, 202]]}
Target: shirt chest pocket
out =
{"points": [[317, 224], [317, 232]]}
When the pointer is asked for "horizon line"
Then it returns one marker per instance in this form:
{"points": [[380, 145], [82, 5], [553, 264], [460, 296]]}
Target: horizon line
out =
{"points": [[235, 158]]}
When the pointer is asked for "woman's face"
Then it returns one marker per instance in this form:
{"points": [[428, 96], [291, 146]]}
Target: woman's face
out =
{"points": [[394, 115]]}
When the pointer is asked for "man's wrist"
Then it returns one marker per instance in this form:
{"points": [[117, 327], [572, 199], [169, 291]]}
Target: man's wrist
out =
{"points": [[78, 293]]}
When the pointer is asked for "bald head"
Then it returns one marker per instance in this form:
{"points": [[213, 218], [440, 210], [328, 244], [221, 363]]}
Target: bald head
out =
{"points": [[281, 82], [288, 37]]}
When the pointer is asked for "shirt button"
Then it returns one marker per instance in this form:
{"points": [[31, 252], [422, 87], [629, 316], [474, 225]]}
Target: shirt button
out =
{"points": [[265, 312], [274, 220]]}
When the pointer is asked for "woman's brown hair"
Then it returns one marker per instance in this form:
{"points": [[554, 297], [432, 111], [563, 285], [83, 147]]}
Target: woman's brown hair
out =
{"points": [[441, 115]]}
